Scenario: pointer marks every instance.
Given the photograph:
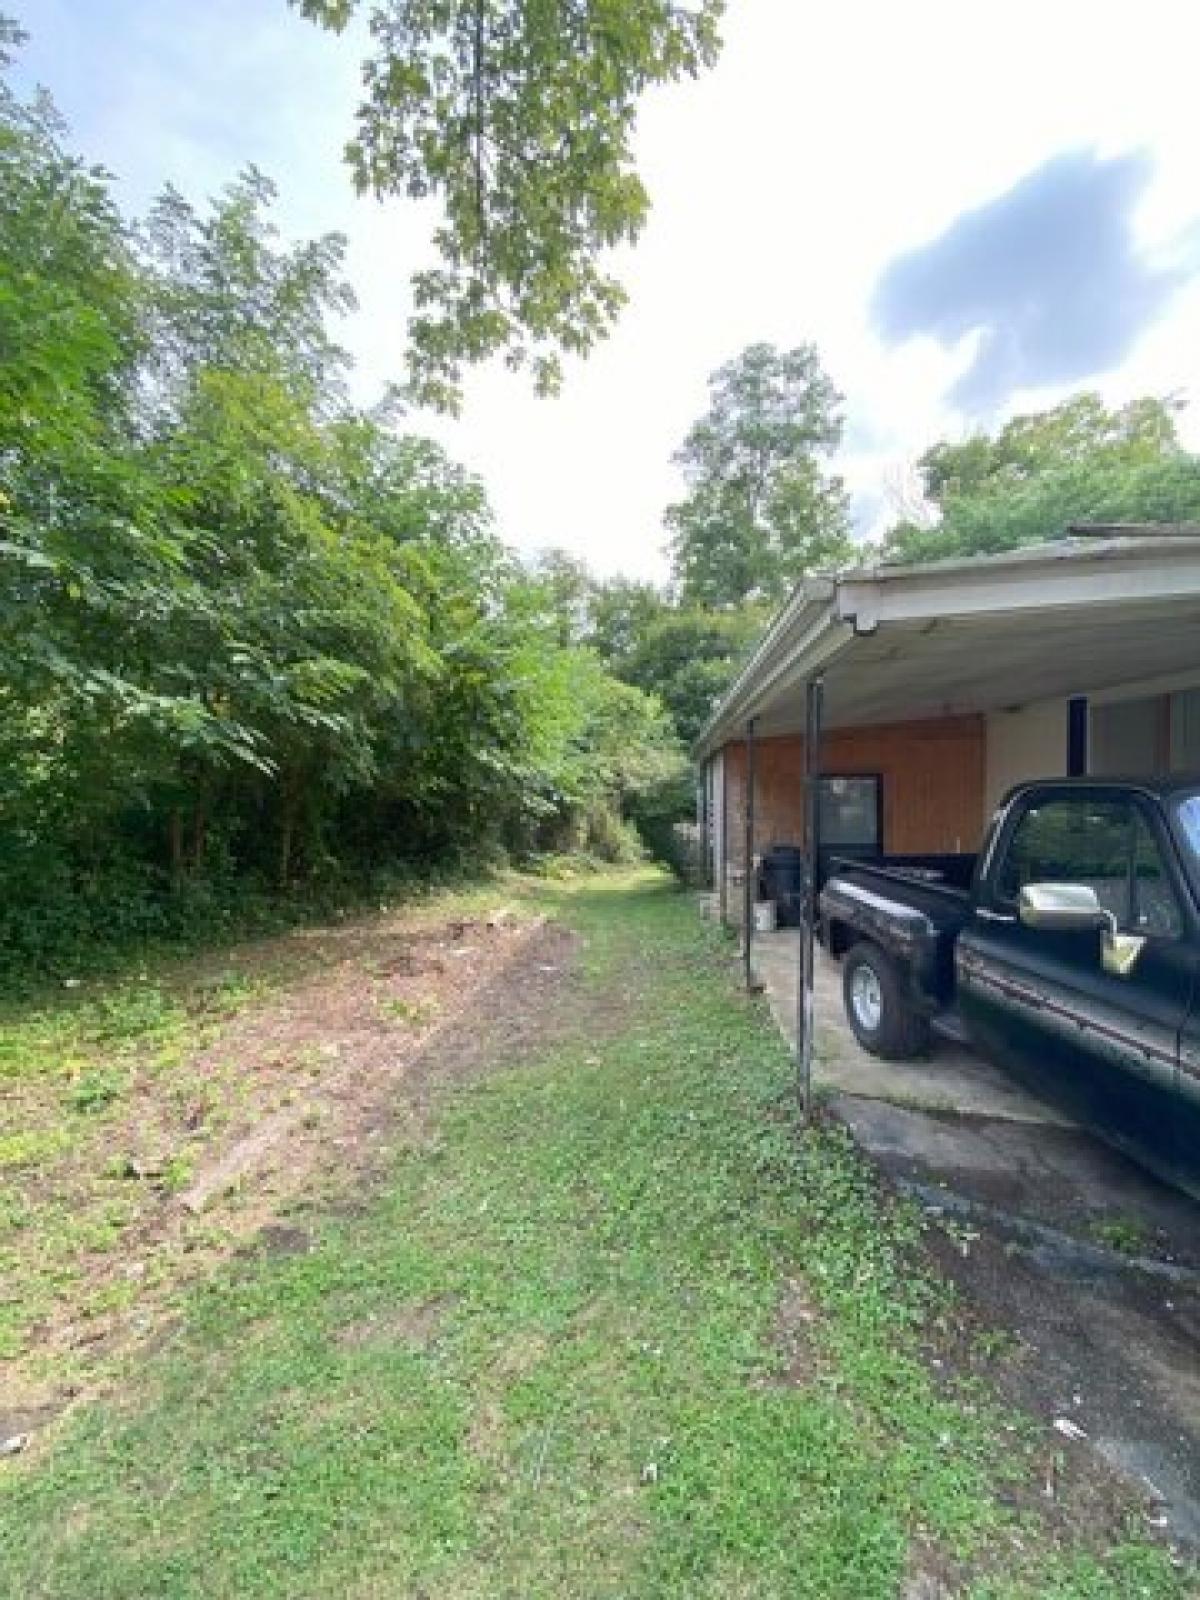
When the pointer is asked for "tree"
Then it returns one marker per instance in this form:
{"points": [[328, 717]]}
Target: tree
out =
{"points": [[518, 118], [561, 584], [1078, 462], [224, 293], [251, 640], [761, 511], [621, 613], [599, 747], [1078, 432], [687, 658], [82, 552]]}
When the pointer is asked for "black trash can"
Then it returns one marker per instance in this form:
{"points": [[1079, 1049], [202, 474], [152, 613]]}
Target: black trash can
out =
{"points": [[783, 877]]}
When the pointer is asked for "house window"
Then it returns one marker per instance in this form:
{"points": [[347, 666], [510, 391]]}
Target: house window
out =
{"points": [[1185, 731], [851, 812], [1155, 733], [1126, 737]]}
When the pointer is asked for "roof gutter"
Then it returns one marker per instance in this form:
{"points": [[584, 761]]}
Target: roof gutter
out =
{"points": [[824, 614], [1041, 578], [798, 629]]}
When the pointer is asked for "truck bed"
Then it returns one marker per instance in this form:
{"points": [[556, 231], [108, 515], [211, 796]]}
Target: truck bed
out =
{"points": [[937, 871], [940, 886], [913, 906]]}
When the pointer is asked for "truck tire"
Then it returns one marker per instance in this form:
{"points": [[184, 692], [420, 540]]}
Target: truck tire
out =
{"points": [[877, 1008]]}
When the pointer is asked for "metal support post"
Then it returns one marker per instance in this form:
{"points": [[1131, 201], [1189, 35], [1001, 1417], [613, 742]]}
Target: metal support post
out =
{"points": [[702, 841], [749, 896], [814, 698], [722, 855]]}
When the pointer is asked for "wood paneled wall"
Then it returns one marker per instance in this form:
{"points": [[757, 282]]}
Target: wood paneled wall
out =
{"points": [[933, 783]]}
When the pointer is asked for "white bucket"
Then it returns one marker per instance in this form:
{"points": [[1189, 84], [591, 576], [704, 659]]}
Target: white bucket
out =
{"points": [[764, 916]]}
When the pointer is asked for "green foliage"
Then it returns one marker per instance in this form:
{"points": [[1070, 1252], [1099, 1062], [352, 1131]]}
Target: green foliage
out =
{"points": [[518, 120], [564, 592], [620, 614], [253, 642], [1078, 462], [689, 656], [96, 1089], [680, 656], [761, 510], [133, 1013], [603, 746]]}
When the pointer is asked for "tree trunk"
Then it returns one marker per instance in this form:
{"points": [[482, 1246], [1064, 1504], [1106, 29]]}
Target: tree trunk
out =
{"points": [[290, 798], [199, 840], [176, 843], [287, 833]]}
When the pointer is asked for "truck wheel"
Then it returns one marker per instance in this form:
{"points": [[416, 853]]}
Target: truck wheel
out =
{"points": [[882, 1019]]}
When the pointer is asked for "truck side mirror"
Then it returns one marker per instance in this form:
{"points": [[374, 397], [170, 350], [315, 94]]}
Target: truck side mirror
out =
{"points": [[1074, 907], [1062, 907]]}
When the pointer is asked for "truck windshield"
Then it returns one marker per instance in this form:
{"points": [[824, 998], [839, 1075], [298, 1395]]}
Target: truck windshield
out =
{"points": [[1187, 827]]}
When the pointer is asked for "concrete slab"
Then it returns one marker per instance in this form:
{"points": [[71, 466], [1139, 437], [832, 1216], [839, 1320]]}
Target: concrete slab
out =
{"points": [[952, 1079], [1088, 1260], [1043, 1180]]}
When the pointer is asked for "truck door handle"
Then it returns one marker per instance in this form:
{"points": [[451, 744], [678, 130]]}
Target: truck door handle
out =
{"points": [[985, 915]]}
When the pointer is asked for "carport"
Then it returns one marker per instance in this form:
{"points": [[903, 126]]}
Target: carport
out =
{"points": [[946, 685]]}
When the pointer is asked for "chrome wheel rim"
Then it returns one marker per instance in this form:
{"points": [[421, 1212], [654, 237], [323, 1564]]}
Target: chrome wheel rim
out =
{"points": [[866, 997]]}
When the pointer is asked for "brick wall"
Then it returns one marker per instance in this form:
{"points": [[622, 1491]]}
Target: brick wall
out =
{"points": [[933, 784]]}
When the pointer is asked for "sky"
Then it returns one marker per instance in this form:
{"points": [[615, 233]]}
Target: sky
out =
{"points": [[971, 210]]}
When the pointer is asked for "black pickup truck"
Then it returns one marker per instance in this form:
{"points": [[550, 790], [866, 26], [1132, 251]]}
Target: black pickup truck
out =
{"points": [[1068, 951]]}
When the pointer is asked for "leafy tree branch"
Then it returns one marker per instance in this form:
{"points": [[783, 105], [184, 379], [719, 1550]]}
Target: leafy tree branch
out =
{"points": [[517, 117]]}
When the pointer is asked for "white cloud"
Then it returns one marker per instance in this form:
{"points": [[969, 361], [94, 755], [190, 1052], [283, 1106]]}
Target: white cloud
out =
{"points": [[828, 141]]}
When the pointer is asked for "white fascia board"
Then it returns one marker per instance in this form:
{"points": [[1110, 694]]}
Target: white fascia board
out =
{"points": [[1135, 574], [821, 645], [815, 593], [811, 603]]}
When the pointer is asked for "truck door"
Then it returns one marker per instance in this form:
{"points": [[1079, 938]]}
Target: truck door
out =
{"points": [[1042, 1002]]}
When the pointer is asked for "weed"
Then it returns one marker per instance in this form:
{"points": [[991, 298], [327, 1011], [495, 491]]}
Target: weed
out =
{"points": [[417, 1013], [225, 995], [176, 1174], [96, 1089], [1126, 1234], [133, 1012], [997, 1344], [30, 1149]]}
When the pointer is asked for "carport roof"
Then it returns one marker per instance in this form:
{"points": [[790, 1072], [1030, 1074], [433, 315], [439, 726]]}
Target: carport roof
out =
{"points": [[1081, 615]]}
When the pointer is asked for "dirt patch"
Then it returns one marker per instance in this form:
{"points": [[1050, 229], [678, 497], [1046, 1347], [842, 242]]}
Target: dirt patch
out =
{"points": [[534, 1011], [487, 1434], [921, 1585], [792, 1336], [414, 1325], [318, 1084], [16, 1423], [278, 1239]]}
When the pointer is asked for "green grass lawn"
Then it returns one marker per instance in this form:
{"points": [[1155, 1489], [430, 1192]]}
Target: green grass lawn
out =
{"points": [[544, 1357]]}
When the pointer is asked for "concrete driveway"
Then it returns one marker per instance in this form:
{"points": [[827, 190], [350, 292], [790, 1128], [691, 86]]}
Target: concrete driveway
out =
{"points": [[1090, 1262]]}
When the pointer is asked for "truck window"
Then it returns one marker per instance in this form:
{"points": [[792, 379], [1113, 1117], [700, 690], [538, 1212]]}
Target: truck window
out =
{"points": [[1155, 910], [1187, 813], [1105, 844]]}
